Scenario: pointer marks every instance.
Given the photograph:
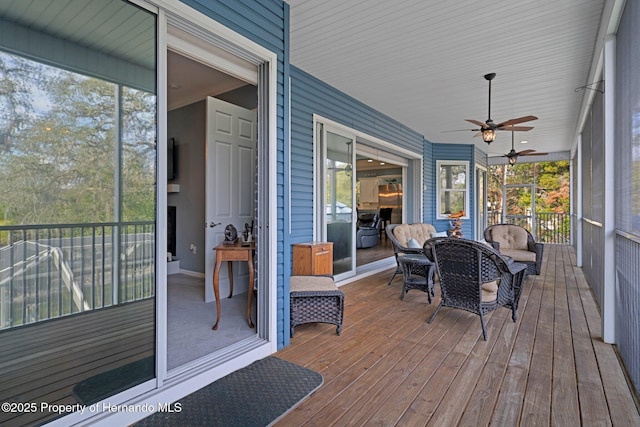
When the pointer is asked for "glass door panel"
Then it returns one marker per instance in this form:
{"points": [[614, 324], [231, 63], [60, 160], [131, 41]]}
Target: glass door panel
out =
{"points": [[519, 205], [481, 206], [339, 201]]}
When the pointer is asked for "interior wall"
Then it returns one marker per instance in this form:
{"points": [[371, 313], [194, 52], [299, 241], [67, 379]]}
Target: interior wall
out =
{"points": [[188, 126]]}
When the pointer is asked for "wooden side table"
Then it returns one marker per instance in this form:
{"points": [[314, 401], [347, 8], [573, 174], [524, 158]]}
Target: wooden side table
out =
{"points": [[230, 253], [312, 258]]}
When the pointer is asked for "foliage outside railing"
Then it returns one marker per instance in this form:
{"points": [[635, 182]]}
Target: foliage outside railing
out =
{"points": [[550, 227], [49, 271]]}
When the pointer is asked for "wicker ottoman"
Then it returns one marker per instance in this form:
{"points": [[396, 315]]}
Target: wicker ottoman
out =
{"points": [[315, 299]]}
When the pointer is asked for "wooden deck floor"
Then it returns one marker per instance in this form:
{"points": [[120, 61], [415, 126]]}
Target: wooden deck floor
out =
{"points": [[42, 362], [389, 367]]}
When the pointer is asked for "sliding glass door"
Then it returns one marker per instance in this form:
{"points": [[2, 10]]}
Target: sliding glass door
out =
{"points": [[78, 233], [339, 198]]}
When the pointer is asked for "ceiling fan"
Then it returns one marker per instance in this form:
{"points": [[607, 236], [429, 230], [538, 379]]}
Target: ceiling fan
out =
{"points": [[489, 128], [513, 154]]}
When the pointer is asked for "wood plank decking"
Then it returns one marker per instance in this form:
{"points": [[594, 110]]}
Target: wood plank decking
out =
{"points": [[42, 362], [389, 367]]}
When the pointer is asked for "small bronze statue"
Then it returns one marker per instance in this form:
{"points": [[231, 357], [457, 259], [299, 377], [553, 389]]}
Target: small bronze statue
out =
{"points": [[247, 234], [230, 235]]}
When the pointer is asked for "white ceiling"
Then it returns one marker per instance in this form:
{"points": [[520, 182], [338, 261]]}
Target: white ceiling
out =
{"points": [[422, 62], [189, 81]]}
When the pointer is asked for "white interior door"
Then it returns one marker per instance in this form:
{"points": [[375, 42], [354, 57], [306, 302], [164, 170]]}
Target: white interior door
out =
{"points": [[230, 185]]}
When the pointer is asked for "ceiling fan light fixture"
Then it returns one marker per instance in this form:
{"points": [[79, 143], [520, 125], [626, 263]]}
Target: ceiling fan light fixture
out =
{"points": [[488, 135], [513, 160]]}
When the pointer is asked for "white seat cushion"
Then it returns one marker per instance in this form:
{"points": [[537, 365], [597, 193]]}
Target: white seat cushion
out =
{"points": [[311, 283], [490, 291], [519, 255], [510, 237], [420, 232]]}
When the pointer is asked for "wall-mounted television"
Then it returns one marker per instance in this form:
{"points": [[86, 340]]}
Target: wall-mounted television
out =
{"points": [[172, 159]]}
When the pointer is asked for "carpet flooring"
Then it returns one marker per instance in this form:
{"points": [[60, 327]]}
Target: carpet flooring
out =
{"points": [[189, 321], [254, 396]]}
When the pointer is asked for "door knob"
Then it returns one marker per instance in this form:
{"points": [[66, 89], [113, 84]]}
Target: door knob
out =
{"points": [[213, 224]]}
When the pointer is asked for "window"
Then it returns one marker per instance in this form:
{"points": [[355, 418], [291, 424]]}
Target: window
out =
{"points": [[452, 188]]}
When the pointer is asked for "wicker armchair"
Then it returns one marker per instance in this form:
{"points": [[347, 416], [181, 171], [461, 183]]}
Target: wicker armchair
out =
{"points": [[475, 277], [399, 235], [516, 242]]}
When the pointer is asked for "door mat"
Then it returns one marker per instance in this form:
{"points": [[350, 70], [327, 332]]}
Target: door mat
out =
{"points": [[254, 396], [101, 386]]}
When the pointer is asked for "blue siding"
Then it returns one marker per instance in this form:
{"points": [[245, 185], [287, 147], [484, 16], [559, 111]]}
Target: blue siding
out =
{"points": [[429, 184], [308, 96], [311, 96], [266, 22], [462, 152], [481, 158]]}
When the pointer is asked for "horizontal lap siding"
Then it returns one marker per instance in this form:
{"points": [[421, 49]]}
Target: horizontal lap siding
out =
{"points": [[429, 184], [311, 96], [479, 159], [266, 23]]}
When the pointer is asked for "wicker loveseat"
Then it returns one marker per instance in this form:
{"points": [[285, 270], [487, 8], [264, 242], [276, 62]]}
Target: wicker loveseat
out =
{"points": [[400, 236], [517, 243]]}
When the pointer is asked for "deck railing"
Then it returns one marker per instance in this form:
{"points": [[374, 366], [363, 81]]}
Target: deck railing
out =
{"points": [[49, 271], [550, 227]]}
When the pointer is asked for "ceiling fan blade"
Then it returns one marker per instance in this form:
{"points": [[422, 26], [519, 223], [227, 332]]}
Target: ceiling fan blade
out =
{"points": [[525, 152], [516, 121], [534, 154], [460, 130], [477, 122], [516, 128]]}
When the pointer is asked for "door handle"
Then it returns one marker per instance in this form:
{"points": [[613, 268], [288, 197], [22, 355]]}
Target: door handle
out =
{"points": [[213, 224]]}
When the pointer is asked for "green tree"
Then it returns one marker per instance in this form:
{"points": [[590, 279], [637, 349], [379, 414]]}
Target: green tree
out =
{"points": [[61, 163], [553, 187]]}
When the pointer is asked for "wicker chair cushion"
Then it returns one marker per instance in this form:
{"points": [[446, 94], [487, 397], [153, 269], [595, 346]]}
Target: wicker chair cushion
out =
{"points": [[490, 291], [311, 283], [510, 237], [520, 255], [420, 232]]}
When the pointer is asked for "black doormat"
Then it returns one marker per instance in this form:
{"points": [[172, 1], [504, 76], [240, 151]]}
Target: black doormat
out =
{"points": [[256, 395], [101, 386]]}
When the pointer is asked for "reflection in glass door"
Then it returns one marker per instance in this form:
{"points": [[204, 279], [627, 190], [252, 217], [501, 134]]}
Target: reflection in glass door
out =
{"points": [[339, 200]]}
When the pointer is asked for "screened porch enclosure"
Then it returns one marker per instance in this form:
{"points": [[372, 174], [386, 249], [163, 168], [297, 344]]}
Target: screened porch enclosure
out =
{"points": [[533, 195]]}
